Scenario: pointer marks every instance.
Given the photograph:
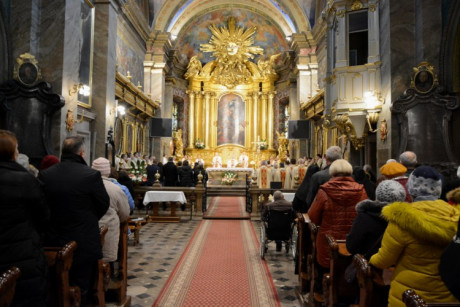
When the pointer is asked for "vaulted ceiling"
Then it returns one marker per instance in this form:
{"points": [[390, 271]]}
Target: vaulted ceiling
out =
{"points": [[276, 21]]}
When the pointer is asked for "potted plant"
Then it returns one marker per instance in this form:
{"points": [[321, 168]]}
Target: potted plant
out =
{"points": [[263, 145], [138, 172], [199, 144], [229, 177]]}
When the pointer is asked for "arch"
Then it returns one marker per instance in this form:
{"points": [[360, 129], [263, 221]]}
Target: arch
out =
{"points": [[175, 13], [450, 50]]}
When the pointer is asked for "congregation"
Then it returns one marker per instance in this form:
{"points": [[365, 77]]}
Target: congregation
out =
{"points": [[403, 219]]}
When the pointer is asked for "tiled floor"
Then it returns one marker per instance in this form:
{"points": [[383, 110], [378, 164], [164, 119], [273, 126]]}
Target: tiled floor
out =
{"points": [[161, 245]]}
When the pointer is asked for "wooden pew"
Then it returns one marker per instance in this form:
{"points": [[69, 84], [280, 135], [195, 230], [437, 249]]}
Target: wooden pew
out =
{"points": [[101, 274], [412, 299], [60, 293], [334, 284], [304, 253], [135, 227], [7, 286], [314, 300], [372, 289], [118, 286]]}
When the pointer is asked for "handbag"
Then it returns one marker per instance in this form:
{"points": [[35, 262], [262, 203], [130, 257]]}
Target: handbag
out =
{"points": [[449, 266]]}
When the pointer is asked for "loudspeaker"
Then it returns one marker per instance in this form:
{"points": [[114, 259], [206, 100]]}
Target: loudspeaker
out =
{"points": [[299, 129], [160, 127]]}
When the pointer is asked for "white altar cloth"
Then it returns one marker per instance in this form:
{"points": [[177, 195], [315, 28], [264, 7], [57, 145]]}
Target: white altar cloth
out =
{"points": [[233, 169], [159, 196]]}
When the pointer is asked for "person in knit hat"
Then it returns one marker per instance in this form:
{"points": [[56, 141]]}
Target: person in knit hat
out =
{"points": [[368, 227], [416, 236], [396, 171], [48, 161], [117, 212]]}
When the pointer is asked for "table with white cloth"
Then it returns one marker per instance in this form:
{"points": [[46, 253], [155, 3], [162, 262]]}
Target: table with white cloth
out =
{"points": [[156, 197], [289, 196]]}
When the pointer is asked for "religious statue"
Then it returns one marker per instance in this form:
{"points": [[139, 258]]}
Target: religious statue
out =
{"points": [[383, 130], [243, 160], [282, 146], [193, 68], [266, 66], [70, 120], [178, 145]]}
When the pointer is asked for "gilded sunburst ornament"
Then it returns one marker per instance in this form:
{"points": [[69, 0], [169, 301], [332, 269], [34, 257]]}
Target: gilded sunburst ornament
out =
{"points": [[233, 48]]}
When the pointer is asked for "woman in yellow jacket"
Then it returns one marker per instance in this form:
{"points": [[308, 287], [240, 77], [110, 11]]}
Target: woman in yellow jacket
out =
{"points": [[415, 238]]}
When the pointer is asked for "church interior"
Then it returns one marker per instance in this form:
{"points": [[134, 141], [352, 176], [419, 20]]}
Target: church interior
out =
{"points": [[232, 85]]}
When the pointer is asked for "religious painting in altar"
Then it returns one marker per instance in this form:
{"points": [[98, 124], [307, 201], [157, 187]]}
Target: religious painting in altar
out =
{"points": [[231, 120]]}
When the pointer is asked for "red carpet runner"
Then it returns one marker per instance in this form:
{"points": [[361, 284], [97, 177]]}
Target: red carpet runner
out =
{"points": [[229, 207], [221, 266]]}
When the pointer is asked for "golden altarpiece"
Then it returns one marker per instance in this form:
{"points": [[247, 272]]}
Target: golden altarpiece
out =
{"points": [[231, 98]]}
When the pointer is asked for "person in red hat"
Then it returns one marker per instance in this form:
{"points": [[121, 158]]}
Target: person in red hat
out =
{"points": [[48, 161]]}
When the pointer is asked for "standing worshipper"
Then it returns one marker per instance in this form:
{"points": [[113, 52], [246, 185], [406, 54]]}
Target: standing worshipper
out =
{"points": [[24, 216], [170, 173], [416, 236], [77, 200], [186, 175]]}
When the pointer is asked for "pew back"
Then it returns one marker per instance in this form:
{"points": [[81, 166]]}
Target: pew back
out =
{"points": [[7, 286]]}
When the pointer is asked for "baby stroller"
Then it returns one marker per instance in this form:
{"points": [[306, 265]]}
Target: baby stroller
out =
{"points": [[277, 226]]}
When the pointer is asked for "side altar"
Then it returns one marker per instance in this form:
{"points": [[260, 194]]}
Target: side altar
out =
{"points": [[228, 177]]}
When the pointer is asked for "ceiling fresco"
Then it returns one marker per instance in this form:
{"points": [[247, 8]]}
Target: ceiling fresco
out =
{"points": [[196, 32]]}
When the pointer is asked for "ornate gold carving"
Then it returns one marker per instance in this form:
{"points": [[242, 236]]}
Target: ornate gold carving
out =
{"points": [[233, 48], [340, 13], [373, 7], [357, 5], [26, 69], [424, 78], [345, 126]]}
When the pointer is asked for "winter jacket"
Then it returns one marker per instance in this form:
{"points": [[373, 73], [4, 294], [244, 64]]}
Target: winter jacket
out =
{"points": [[334, 211], [414, 240], [23, 216], [117, 212], [367, 230], [170, 174], [77, 200], [186, 176]]}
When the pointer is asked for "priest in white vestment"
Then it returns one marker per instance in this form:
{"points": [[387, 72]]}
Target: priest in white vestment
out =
{"points": [[243, 160], [232, 162], [217, 161]]}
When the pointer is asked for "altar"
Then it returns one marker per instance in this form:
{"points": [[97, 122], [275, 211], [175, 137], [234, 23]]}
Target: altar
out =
{"points": [[228, 177]]}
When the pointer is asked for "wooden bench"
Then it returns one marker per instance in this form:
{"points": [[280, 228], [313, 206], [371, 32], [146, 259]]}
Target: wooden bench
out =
{"points": [[372, 289], [60, 293], [117, 287], [304, 254], [135, 228], [7, 285], [334, 284], [412, 299], [101, 274], [314, 300]]}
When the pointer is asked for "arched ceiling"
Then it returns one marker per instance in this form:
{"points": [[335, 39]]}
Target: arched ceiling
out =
{"points": [[287, 15], [188, 22]]}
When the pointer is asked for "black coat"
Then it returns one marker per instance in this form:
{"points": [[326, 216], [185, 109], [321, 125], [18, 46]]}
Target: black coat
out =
{"points": [[186, 176], [318, 179], [23, 215], [170, 174], [299, 203], [368, 228], [77, 200]]}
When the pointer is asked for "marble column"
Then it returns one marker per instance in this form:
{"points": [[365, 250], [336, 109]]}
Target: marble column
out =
{"points": [[341, 39], [263, 116], [255, 124], [271, 120], [191, 111], [198, 115], [207, 98], [373, 34], [104, 60]]}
